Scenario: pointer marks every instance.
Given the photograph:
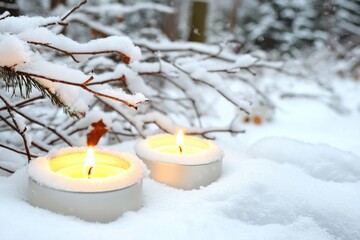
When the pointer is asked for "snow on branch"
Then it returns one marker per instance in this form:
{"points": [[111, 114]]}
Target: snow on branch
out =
{"points": [[29, 53], [184, 84], [20, 61], [117, 9], [4, 15]]}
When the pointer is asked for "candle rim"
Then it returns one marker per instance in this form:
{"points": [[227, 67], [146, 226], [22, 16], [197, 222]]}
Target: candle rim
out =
{"points": [[40, 171], [85, 192], [212, 154]]}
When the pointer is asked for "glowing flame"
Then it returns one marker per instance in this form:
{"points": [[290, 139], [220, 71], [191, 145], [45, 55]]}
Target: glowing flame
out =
{"points": [[89, 162], [180, 140]]}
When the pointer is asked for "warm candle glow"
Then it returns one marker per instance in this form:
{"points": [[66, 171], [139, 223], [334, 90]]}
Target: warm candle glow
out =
{"points": [[89, 164], [180, 140]]}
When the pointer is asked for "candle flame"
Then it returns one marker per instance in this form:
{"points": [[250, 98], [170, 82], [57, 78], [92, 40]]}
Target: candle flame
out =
{"points": [[180, 140], [89, 162]]}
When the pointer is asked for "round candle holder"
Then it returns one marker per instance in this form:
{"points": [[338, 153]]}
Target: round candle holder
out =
{"points": [[199, 164], [56, 185]]}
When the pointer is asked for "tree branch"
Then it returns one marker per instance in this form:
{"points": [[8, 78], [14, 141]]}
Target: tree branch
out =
{"points": [[61, 22], [21, 132], [17, 151], [81, 85]]}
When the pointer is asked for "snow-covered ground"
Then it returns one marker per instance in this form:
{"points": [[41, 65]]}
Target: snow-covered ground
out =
{"points": [[272, 187]]}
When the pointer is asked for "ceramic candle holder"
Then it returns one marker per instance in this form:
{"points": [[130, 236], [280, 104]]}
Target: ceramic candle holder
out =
{"points": [[59, 182], [198, 162]]}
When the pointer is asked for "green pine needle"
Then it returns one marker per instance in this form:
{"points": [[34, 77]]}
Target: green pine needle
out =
{"points": [[25, 84]]}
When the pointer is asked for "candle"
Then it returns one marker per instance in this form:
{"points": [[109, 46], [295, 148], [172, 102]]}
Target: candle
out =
{"points": [[180, 161], [93, 184]]}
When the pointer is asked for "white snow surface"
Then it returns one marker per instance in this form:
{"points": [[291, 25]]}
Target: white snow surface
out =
{"points": [[266, 193]]}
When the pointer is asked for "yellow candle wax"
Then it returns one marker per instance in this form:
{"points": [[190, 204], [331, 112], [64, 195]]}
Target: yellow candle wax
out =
{"points": [[175, 150], [168, 144], [72, 165], [99, 171]]}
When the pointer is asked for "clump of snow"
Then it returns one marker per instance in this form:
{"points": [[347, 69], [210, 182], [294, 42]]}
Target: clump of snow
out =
{"points": [[39, 170], [134, 82], [158, 118], [19, 24], [113, 43], [245, 60], [134, 99], [320, 161], [13, 51], [93, 116], [4, 14]]}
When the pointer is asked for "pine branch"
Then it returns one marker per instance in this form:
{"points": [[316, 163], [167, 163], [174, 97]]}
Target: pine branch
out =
{"points": [[24, 83]]}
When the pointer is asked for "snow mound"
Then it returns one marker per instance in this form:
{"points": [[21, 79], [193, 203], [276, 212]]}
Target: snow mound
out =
{"points": [[320, 161], [256, 198]]}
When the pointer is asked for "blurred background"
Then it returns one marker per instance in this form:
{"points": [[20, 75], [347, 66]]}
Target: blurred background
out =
{"points": [[283, 27]]}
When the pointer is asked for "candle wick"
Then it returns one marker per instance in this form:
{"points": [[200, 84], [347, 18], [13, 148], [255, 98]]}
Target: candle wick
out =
{"points": [[89, 172], [181, 150]]}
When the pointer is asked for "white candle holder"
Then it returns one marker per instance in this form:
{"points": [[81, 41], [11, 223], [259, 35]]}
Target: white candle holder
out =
{"points": [[199, 164], [99, 199]]}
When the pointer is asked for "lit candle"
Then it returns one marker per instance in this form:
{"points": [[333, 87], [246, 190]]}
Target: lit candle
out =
{"points": [[93, 184], [180, 161]]}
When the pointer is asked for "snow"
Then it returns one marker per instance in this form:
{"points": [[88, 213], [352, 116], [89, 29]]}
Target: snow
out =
{"points": [[245, 60], [18, 34], [256, 198], [134, 99], [213, 79], [133, 81], [112, 43], [120, 9], [19, 24], [317, 160], [4, 15], [296, 177], [10, 160], [13, 51]]}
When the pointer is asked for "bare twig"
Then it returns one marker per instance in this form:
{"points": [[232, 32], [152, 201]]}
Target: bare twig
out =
{"points": [[73, 10], [72, 53], [61, 22], [20, 131], [220, 130], [6, 170], [124, 116], [17, 151], [24, 103], [210, 85], [34, 121]]}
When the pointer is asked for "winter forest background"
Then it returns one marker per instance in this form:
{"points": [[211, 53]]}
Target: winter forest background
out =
{"points": [[222, 51], [235, 71]]}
